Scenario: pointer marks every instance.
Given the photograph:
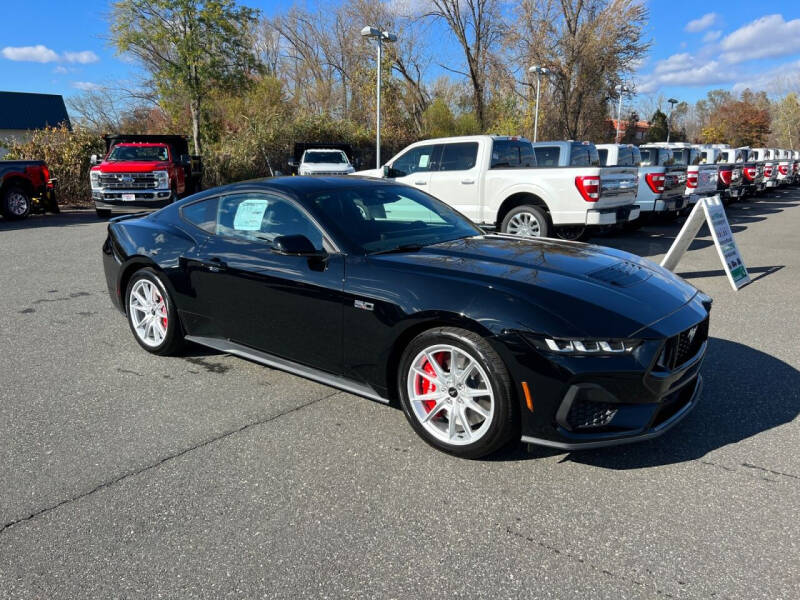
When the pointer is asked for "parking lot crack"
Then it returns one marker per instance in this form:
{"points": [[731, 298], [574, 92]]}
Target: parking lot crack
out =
{"points": [[161, 461]]}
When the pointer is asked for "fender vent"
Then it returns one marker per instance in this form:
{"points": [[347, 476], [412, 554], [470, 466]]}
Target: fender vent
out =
{"points": [[622, 274]]}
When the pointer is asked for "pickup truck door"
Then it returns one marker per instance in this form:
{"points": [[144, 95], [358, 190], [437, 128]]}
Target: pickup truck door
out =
{"points": [[457, 181], [413, 167]]}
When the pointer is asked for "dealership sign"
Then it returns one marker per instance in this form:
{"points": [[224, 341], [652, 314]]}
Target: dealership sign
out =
{"points": [[711, 211]]}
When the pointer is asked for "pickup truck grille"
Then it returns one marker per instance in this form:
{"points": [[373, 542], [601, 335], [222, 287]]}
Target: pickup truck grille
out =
{"points": [[128, 181], [328, 173]]}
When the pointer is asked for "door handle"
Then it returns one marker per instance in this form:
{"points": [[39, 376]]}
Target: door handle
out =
{"points": [[420, 182], [467, 181], [215, 265]]}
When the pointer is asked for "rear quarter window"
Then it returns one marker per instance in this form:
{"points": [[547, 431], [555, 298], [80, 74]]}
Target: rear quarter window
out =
{"points": [[603, 154], [459, 157]]}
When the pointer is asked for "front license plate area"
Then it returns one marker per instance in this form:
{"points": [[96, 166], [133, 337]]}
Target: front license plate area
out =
{"points": [[128, 197]]}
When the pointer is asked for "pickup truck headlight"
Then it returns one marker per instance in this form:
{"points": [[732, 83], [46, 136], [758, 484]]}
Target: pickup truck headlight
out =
{"points": [[162, 179], [584, 347], [94, 179]]}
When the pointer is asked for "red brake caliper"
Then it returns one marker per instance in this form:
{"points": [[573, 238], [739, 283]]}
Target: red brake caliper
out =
{"points": [[163, 319], [424, 386]]}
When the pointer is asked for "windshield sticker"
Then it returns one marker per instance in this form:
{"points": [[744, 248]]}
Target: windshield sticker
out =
{"points": [[249, 215], [423, 161]]}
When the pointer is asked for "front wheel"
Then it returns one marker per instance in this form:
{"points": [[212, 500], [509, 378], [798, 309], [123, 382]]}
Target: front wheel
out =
{"points": [[16, 203], [456, 392], [152, 315], [526, 221]]}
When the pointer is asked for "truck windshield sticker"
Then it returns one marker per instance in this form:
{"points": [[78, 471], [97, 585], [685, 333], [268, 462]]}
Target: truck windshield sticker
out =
{"points": [[249, 215], [423, 161]]}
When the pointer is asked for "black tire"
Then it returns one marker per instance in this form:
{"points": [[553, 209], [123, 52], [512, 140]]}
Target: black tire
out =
{"points": [[102, 213], [505, 420], [16, 203], [173, 341], [572, 233], [537, 212]]}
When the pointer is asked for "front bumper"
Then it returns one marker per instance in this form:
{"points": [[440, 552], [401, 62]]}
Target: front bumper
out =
{"points": [[142, 200], [581, 402], [612, 216]]}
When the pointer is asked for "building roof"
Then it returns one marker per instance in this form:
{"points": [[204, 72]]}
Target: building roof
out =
{"points": [[21, 110]]}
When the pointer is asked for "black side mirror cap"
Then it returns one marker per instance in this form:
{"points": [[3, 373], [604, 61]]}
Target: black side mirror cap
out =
{"points": [[298, 245]]}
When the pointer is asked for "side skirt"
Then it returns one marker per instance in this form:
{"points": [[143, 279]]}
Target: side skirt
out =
{"points": [[282, 364]]}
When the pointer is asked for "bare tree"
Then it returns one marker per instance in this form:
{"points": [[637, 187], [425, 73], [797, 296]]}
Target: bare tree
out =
{"points": [[478, 26]]}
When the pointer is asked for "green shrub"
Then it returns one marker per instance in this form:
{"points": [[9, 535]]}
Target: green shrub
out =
{"points": [[67, 156]]}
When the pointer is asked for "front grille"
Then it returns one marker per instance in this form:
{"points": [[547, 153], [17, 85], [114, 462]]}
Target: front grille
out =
{"points": [[684, 346], [587, 414], [128, 181]]}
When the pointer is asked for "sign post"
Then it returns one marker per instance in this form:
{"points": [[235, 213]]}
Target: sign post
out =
{"points": [[711, 211]]}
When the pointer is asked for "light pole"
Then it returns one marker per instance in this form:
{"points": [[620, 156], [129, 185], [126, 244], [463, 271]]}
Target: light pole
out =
{"points": [[381, 36], [539, 72], [672, 102], [621, 89]]}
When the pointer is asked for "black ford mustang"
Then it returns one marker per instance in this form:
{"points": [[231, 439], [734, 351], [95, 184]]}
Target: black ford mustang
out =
{"points": [[381, 290]]}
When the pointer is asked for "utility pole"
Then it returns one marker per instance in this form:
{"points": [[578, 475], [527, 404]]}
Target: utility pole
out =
{"points": [[539, 72], [381, 36]]}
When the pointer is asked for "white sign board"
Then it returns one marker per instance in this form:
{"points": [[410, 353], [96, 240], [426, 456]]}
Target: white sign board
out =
{"points": [[711, 211]]}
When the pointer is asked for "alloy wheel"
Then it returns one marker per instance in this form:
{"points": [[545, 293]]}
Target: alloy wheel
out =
{"points": [[525, 224], [450, 394], [148, 311], [17, 203]]}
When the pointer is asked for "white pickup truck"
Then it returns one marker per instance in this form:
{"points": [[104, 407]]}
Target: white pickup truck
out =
{"points": [[323, 161], [507, 183]]}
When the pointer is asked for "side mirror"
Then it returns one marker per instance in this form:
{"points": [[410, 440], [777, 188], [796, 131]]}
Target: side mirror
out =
{"points": [[292, 163], [298, 245], [93, 160], [389, 172]]}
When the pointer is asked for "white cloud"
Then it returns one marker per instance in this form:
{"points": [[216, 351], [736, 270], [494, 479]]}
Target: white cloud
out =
{"points": [[702, 23], [38, 53], [765, 37], [84, 57], [42, 54], [778, 80], [712, 36], [61, 70], [676, 62], [685, 69], [86, 86]]}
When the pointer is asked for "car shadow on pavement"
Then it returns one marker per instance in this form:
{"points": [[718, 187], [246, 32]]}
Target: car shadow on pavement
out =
{"points": [[66, 218], [762, 272], [746, 392]]}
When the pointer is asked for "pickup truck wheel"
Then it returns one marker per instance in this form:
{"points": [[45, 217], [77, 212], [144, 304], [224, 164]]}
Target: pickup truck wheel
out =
{"points": [[526, 221], [16, 203], [102, 213], [573, 233]]}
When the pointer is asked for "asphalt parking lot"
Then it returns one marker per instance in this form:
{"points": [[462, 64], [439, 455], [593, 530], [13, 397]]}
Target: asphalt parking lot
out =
{"points": [[130, 475]]}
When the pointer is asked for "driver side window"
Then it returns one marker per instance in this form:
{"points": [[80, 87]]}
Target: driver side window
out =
{"points": [[416, 160], [252, 216]]}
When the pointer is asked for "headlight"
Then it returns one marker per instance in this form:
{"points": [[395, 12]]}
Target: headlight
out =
{"points": [[584, 347], [94, 179], [162, 179]]}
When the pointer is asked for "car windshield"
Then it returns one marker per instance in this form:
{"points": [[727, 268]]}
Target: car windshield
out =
{"points": [[123, 153], [316, 156], [382, 218]]}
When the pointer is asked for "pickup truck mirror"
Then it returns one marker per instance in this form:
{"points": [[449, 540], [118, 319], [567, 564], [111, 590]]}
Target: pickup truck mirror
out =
{"points": [[93, 160], [298, 245], [389, 172]]}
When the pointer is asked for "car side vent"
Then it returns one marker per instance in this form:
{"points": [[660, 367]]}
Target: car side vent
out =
{"points": [[622, 274]]}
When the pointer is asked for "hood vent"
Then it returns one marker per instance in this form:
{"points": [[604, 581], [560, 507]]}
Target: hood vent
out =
{"points": [[622, 274]]}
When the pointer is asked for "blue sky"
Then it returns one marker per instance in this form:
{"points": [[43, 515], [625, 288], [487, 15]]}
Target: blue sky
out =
{"points": [[697, 46]]}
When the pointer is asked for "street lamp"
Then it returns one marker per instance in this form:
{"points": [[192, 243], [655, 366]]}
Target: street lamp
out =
{"points": [[621, 89], [672, 102], [539, 72], [381, 36]]}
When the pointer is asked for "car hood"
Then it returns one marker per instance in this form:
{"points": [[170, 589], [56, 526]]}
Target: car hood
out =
{"points": [[132, 166], [589, 290]]}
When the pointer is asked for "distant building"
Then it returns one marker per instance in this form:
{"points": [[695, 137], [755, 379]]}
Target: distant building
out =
{"points": [[21, 113], [639, 132]]}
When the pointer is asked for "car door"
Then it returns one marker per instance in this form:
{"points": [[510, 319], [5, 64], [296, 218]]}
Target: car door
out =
{"points": [[287, 305], [413, 167], [457, 179]]}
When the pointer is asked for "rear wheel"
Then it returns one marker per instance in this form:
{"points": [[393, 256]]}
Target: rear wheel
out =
{"points": [[16, 203], [526, 221], [152, 315], [456, 392], [574, 233]]}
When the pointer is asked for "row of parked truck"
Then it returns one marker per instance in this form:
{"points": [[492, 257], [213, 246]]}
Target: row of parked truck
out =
{"points": [[567, 188]]}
